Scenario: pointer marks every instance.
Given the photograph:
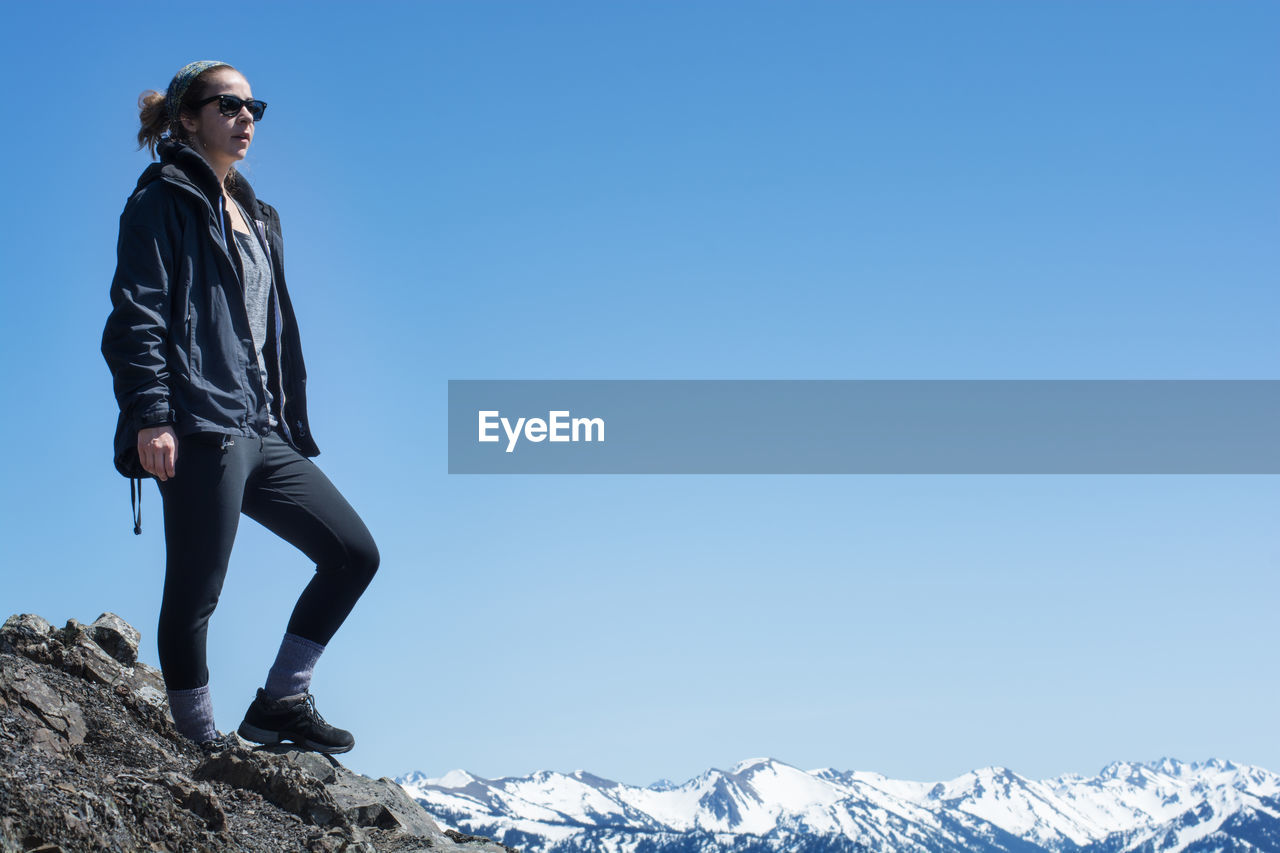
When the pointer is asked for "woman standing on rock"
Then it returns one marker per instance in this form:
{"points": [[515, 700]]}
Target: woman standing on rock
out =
{"points": [[204, 350]]}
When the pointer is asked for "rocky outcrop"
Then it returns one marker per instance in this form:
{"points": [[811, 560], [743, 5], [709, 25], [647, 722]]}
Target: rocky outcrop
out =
{"points": [[90, 761]]}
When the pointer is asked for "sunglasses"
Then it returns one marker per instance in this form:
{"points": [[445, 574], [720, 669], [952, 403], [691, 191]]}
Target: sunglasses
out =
{"points": [[230, 105]]}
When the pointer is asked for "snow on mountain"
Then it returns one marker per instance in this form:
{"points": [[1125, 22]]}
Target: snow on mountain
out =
{"points": [[763, 804], [1027, 809]]}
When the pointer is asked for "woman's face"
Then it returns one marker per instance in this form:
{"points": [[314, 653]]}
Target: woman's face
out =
{"points": [[221, 139]]}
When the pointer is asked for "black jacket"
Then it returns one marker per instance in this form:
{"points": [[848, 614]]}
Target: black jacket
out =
{"points": [[177, 339]]}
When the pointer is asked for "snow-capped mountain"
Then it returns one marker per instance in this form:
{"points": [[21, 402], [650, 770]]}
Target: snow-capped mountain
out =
{"points": [[763, 805]]}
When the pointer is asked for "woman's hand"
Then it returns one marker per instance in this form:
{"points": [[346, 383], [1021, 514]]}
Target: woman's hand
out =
{"points": [[158, 451]]}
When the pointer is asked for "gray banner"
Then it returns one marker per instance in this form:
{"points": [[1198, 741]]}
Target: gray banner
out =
{"points": [[864, 427]]}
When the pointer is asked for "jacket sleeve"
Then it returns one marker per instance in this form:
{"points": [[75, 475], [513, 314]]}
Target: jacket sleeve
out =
{"points": [[135, 340]]}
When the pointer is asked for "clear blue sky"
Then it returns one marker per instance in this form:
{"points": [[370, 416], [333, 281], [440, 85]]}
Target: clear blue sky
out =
{"points": [[754, 190]]}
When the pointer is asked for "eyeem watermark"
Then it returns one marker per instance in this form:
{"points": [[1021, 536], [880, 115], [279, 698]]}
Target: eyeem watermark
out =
{"points": [[865, 426], [557, 427]]}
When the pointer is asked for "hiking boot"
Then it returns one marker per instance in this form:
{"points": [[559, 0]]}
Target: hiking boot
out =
{"points": [[292, 718]]}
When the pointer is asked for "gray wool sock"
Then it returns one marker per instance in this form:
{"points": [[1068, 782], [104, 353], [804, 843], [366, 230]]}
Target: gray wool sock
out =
{"points": [[193, 713], [291, 673]]}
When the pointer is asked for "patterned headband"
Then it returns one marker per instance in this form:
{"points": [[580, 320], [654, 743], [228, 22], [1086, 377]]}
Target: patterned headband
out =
{"points": [[181, 82]]}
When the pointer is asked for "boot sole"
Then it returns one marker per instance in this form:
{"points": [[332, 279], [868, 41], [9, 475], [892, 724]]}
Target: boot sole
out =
{"points": [[270, 738]]}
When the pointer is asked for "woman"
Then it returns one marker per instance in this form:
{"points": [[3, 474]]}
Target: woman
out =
{"points": [[204, 351]]}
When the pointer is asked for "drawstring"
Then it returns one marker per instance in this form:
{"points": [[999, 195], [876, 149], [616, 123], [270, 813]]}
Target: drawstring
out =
{"points": [[135, 501]]}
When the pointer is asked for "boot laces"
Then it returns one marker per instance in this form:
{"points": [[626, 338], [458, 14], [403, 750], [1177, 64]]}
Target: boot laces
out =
{"points": [[310, 702]]}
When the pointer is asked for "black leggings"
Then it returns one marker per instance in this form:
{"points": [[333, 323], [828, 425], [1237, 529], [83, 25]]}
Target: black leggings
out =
{"points": [[285, 492]]}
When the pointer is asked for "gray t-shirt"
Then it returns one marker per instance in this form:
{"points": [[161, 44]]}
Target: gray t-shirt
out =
{"points": [[257, 296]]}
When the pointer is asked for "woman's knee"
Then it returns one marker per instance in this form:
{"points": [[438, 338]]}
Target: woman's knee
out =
{"points": [[363, 558], [186, 612]]}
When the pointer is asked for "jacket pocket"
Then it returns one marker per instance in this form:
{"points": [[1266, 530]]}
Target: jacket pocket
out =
{"points": [[215, 440]]}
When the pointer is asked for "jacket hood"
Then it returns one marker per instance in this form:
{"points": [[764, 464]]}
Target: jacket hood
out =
{"points": [[181, 164]]}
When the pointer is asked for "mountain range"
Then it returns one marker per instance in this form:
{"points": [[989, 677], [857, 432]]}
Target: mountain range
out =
{"points": [[766, 806]]}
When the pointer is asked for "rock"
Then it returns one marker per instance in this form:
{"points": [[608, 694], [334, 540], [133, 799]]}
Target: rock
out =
{"points": [[22, 628], [317, 766], [278, 780], [41, 702], [48, 742], [196, 798], [73, 631], [365, 802], [91, 761], [357, 792], [105, 652], [116, 637], [85, 658], [146, 684], [28, 635], [379, 804], [340, 841], [372, 814]]}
